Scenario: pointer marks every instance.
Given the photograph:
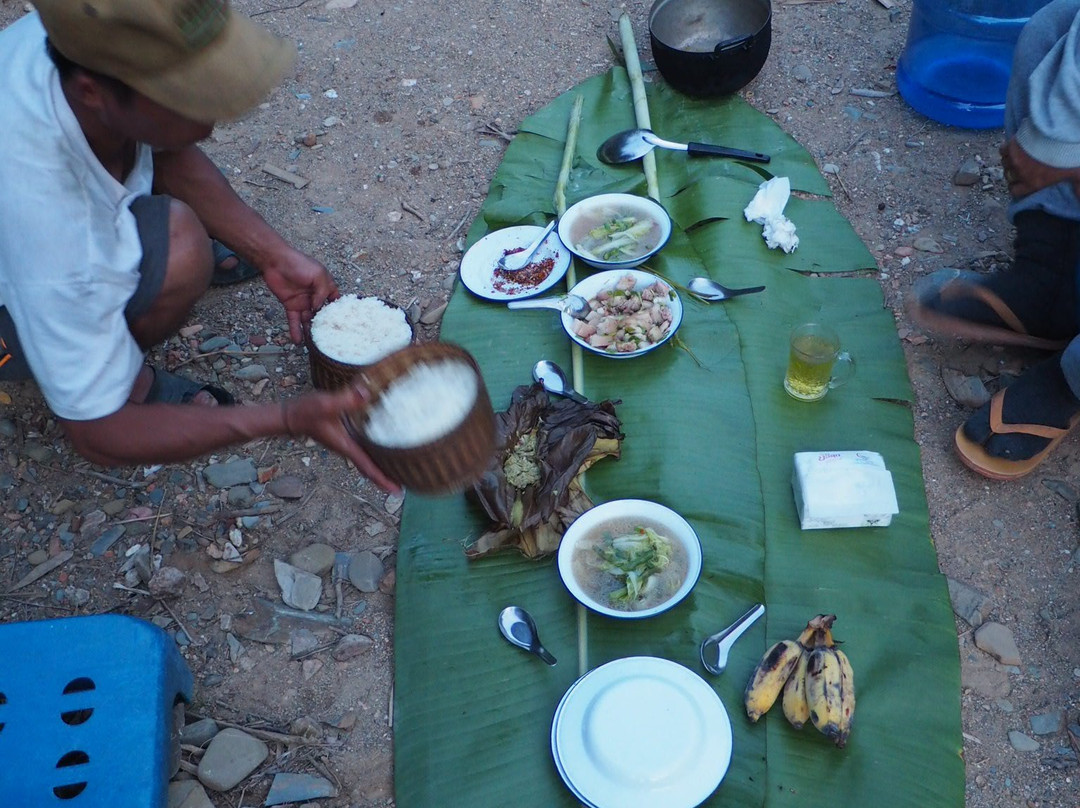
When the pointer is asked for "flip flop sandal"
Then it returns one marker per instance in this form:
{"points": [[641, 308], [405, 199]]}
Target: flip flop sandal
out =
{"points": [[240, 271], [932, 294], [975, 457], [169, 388]]}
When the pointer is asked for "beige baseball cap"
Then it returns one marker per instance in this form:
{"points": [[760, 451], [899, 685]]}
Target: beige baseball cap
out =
{"points": [[195, 57]]}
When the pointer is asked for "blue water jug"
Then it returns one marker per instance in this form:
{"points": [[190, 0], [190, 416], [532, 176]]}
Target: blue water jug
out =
{"points": [[956, 64]]}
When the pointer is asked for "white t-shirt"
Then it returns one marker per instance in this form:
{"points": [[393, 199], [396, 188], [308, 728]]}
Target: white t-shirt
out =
{"points": [[69, 247]]}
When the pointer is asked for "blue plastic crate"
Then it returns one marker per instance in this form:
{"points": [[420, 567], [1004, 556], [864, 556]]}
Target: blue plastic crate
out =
{"points": [[86, 712]]}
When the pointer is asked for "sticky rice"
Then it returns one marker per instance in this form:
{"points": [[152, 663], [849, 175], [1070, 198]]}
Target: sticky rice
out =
{"points": [[359, 330], [422, 405]]}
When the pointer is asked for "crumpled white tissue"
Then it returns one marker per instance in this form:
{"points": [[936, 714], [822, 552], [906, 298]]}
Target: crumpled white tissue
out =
{"points": [[767, 209]]}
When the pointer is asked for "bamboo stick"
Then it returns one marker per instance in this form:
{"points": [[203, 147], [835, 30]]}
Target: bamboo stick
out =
{"points": [[641, 102], [576, 369]]}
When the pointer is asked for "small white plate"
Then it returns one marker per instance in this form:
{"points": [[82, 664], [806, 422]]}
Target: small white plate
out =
{"points": [[478, 263], [640, 732]]}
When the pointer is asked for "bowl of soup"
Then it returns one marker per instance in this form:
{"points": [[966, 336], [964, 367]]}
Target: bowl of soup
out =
{"points": [[629, 558], [615, 231]]}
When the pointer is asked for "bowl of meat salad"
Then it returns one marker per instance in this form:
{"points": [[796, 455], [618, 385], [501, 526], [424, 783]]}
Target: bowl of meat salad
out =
{"points": [[632, 312], [615, 231]]}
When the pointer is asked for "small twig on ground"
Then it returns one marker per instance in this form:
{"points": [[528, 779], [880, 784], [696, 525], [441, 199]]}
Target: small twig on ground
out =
{"points": [[405, 206], [228, 516], [460, 224], [267, 735], [262, 185], [35, 604], [188, 767], [859, 139], [298, 508], [327, 773], [183, 628], [862, 92], [196, 357], [491, 128], [278, 8], [106, 477]]}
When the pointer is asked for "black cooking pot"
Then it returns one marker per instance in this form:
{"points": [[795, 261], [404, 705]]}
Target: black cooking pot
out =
{"points": [[710, 47]]}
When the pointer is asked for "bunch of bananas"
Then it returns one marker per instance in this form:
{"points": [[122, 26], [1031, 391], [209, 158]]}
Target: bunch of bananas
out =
{"points": [[816, 679]]}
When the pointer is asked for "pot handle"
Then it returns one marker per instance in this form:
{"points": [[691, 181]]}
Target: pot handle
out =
{"points": [[745, 43]]}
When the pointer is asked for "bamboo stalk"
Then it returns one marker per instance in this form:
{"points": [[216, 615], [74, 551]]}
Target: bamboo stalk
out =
{"points": [[576, 369], [641, 102]]}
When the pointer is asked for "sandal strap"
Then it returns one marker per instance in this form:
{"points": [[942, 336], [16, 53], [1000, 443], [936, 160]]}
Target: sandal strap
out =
{"points": [[961, 289], [999, 427]]}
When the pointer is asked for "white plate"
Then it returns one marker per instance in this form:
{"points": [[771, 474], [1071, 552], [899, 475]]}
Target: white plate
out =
{"points": [[555, 749], [591, 286], [478, 264], [641, 732]]}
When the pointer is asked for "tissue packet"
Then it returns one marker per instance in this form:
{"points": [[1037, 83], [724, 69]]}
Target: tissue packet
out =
{"points": [[843, 489]]}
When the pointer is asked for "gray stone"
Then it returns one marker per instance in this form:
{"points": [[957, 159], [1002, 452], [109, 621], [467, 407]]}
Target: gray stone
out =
{"points": [[966, 390], [236, 648], [299, 589], [1021, 742], [315, 558], [1048, 723], [214, 344], [996, 640], [167, 582], [35, 451], [287, 487], [291, 787], [968, 603], [8, 428], [199, 732], [252, 373], [969, 172], [365, 570], [235, 472], [240, 496], [229, 758], [37, 557], [106, 540], [351, 646], [188, 794], [302, 641]]}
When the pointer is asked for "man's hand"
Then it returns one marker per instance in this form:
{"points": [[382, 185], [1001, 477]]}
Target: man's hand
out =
{"points": [[1025, 175], [302, 285], [321, 416]]}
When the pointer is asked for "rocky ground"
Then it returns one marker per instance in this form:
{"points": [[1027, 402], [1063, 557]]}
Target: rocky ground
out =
{"points": [[375, 156]]}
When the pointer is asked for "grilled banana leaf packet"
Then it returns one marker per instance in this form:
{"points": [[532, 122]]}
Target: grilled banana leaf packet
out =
{"points": [[532, 490]]}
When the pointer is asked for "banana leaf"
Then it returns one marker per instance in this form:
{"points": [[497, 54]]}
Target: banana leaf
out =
{"points": [[709, 432]]}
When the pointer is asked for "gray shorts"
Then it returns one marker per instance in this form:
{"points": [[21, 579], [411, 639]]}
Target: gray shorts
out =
{"points": [[152, 218]]}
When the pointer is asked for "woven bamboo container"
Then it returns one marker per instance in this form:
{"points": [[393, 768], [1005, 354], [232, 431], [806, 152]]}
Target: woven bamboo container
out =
{"points": [[328, 373], [444, 465]]}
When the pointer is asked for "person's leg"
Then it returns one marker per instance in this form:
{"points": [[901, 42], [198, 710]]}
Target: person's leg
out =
{"points": [[13, 367], [1033, 303]]}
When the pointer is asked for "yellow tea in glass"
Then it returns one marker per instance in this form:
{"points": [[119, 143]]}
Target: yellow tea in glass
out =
{"points": [[814, 351]]}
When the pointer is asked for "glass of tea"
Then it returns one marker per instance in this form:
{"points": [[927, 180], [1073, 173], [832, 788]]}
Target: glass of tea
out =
{"points": [[815, 363]]}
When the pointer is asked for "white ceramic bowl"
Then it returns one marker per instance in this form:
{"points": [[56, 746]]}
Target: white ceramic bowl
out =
{"points": [[594, 284], [619, 514], [572, 222]]}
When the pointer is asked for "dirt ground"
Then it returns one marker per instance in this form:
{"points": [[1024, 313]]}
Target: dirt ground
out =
{"points": [[396, 118]]}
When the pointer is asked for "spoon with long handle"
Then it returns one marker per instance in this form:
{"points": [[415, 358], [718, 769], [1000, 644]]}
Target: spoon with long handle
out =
{"points": [[521, 259], [710, 290], [634, 144], [574, 305], [714, 649], [554, 380], [518, 627]]}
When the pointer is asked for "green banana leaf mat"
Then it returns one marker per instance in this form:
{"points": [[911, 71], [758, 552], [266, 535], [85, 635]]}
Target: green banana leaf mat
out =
{"points": [[711, 433]]}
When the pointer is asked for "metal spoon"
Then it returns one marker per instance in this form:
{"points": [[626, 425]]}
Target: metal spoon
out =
{"points": [[554, 380], [518, 627], [574, 305], [708, 289], [636, 143], [714, 649], [519, 260]]}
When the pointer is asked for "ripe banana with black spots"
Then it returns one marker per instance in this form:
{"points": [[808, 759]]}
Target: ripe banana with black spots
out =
{"points": [[796, 707], [830, 692], [769, 677]]}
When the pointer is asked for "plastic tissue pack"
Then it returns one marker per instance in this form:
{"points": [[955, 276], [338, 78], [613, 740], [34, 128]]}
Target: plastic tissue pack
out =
{"points": [[843, 489]]}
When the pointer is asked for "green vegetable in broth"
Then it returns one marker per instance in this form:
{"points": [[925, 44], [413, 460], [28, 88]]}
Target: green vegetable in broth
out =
{"points": [[618, 238], [633, 559]]}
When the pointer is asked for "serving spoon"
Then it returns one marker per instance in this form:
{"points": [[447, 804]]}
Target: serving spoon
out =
{"points": [[634, 144], [554, 380], [518, 627], [710, 290], [516, 261], [574, 305], [714, 649]]}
